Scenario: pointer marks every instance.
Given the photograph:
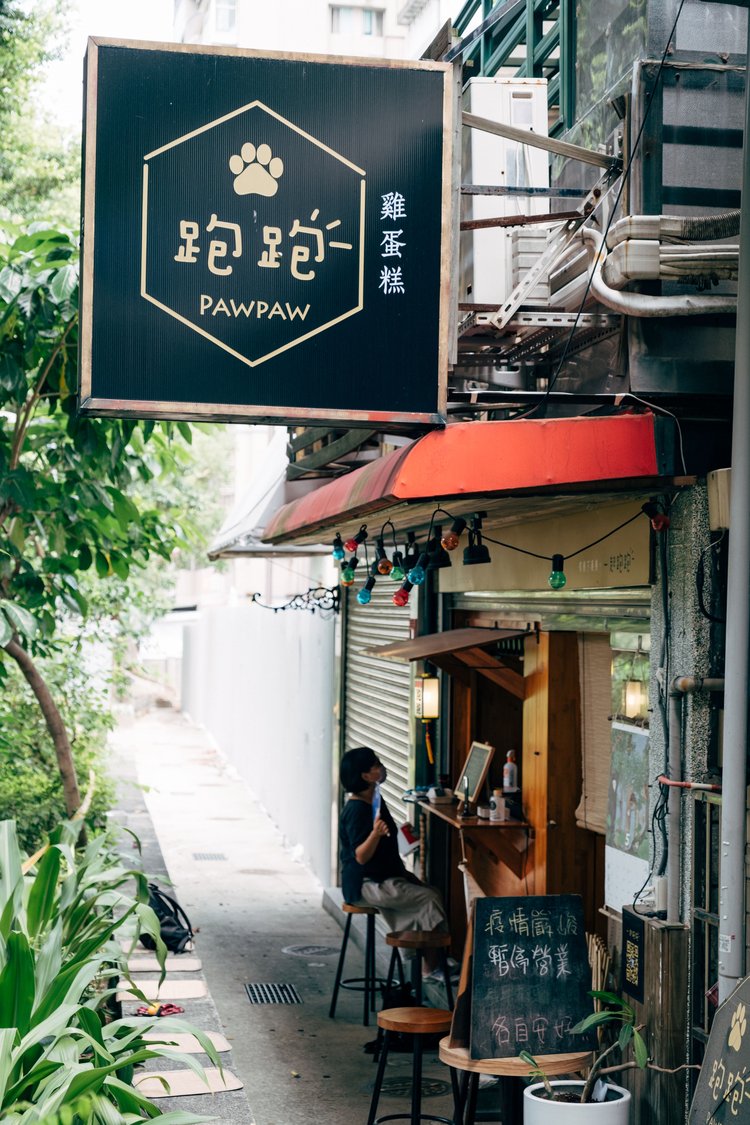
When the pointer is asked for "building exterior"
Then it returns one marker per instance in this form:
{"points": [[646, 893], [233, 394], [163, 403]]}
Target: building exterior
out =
{"points": [[263, 682], [581, 620]]}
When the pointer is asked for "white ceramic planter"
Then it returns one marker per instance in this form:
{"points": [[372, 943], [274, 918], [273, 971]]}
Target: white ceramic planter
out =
{"points": [[540, 1111]]}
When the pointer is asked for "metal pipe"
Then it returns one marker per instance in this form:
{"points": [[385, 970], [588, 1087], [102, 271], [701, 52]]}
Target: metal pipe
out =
{"points": [[737, 661], [536, 140], [674, 808], [689, 684], [680, 686]]}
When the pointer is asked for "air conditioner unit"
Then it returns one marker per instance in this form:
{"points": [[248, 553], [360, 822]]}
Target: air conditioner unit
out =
{"points": [[487, 258]]}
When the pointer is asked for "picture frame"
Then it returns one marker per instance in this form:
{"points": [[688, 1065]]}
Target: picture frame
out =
{"points": [[475, 769]]}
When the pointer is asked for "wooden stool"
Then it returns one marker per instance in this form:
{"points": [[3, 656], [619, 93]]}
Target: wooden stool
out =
{"points": [[369, 983], [465, 1101], [416, 1022], [419, 941]]}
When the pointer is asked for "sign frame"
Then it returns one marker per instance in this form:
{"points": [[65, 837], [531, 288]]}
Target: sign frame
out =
{"points": [[396, 420]]}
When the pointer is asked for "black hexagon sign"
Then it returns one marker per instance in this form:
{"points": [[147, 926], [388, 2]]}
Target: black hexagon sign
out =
{"points": [[265, 237], [258, 263]]}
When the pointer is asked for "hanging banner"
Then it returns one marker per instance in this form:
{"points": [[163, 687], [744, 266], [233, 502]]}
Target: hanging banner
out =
{"points": [[265, 238]]}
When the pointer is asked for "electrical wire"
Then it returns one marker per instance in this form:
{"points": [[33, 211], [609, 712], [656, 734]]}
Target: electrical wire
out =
{"points": [[512, 546], [661, 410], [623, 183], [700, 576]]}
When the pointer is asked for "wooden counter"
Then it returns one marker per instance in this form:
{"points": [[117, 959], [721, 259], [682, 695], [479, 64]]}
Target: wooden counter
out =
{"points": [[505, 841]]}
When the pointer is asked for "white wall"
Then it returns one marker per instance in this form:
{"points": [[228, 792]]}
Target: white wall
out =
{"points": [[261, 683], [425, 24], [296, 26]]}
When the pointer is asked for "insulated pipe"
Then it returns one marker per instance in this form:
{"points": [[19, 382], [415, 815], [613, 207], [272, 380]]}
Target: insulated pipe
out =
{"points": [[732, 874], [643, 304], [645, 259], [674, 228], [681, 686]]}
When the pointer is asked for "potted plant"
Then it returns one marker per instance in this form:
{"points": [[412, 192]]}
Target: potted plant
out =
{"points": [[594, 1100]]}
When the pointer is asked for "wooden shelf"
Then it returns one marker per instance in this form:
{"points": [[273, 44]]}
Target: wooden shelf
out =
{"points": [[505, 841]]}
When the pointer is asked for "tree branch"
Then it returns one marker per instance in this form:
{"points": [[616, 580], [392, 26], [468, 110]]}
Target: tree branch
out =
{"points": [[54, 721], [24, 415]]}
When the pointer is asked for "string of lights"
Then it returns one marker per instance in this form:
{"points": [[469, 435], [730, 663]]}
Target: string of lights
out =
{"points": [[409, 568]]}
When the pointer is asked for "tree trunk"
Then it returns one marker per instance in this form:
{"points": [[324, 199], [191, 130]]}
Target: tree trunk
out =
{"points": [[55, 724]]}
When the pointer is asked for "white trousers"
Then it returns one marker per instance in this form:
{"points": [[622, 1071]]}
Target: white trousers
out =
{"points": [[406, 905]]}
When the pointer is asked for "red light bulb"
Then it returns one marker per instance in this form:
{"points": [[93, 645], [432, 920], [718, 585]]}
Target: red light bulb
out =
{"points": [[351, 545], [401, 597], [449, 541]]}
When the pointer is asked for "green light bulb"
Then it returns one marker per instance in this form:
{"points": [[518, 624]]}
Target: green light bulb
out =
{"points": [[397, 574], [557, 578]]}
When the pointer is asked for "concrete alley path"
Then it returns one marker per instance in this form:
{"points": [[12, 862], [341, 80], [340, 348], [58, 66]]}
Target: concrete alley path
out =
{"points": [[249, 900]]}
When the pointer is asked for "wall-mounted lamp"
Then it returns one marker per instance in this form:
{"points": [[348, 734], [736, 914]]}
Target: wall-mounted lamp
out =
{"points": [[635, 691], [636, 699], [427, 697]]}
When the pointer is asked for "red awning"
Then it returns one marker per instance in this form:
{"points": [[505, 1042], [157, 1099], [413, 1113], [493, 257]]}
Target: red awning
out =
{"points": [[489, 459]]}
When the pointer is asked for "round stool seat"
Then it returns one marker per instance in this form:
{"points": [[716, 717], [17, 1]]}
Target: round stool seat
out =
{"points": [[417, 1021], [514, 1067], [349, 909], [508, 1070], [418, 939]]}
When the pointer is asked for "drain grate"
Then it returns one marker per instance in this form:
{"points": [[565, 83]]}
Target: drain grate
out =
{"points": [[272, 994], [203, 856], [310, 950], [401, 1087]]}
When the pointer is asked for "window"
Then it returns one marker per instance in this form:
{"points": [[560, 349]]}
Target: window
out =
{"points": [[225, 15], [372, 22], [356, 21]]}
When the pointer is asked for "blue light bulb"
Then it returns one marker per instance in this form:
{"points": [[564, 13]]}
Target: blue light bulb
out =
{"points": [[338, 553], [364, 596], [417, 573]]}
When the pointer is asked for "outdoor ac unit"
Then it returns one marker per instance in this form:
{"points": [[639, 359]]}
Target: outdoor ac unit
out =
{"points": [[487, 255]]}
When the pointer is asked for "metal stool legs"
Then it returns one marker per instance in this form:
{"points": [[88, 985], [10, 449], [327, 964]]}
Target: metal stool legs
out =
{"points": [[416, 1116], [368, 983], [416, 974]]}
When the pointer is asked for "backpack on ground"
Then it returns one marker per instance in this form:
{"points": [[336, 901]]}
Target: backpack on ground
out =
{"points": [[174, 924]]}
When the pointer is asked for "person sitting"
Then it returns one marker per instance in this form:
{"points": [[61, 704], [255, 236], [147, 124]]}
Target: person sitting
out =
{"points": [[372, 871]]}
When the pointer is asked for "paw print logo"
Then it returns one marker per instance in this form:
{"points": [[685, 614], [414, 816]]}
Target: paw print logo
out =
{"points": [[256, 171], [738, 1028]]}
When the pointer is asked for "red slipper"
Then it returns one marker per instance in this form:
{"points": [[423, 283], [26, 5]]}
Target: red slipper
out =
{"points": [[160, 1010]]}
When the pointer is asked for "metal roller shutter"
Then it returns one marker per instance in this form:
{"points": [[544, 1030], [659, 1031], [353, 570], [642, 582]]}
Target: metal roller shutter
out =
{"points": [[378, 692]]}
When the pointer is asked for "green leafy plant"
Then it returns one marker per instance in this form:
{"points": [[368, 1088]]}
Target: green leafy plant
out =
{"points": [[74, 491], [63, 913], [30, 785], [613, 1013]]}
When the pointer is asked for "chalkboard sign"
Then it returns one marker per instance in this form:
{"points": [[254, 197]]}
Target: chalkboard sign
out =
{"points": [[474, 771], [531, 977], [723, 1090]]}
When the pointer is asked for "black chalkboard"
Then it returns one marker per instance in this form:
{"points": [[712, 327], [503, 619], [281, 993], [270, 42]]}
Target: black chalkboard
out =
{"points": [[723, 1090], [531, 977]]}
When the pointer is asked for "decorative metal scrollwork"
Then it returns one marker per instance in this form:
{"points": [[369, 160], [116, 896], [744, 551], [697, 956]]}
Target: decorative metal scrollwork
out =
{"points": [[323, 598]]}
